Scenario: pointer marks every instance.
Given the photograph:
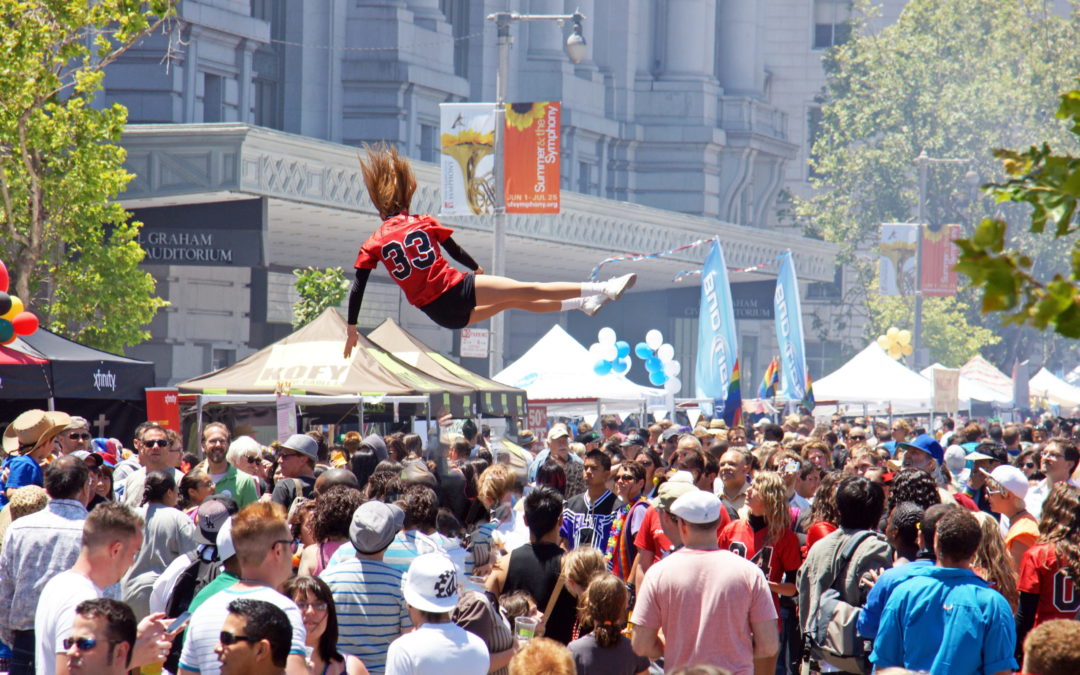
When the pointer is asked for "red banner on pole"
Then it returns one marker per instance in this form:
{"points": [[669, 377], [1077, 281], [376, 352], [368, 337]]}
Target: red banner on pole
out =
{"points": [[163, 407], [939, 256], [531, 157]]}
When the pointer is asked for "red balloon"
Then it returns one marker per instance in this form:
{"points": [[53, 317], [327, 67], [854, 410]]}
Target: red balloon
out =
{"points": [[4, 280], [25, 323]]}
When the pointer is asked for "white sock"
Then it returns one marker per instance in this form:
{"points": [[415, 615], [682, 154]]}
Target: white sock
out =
{"points": [[572, 303], [592, 288]]}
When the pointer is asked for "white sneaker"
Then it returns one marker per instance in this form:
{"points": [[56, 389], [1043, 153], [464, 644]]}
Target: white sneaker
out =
{"points": [[614, 288], [592, 304]]}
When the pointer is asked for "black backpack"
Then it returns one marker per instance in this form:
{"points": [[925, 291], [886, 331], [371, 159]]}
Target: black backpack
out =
{"points": [[198, 574]]}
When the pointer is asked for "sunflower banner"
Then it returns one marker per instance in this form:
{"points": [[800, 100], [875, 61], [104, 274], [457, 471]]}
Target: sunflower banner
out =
{"points": [[533, 151], [468, 158]]}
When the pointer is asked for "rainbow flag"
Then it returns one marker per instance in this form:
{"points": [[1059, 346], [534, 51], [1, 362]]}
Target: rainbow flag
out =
{"points": [[771, 382], [733, 404], [808, 400]]}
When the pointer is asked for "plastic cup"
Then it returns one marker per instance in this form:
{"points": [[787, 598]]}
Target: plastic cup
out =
{"points": [[525, 627]]}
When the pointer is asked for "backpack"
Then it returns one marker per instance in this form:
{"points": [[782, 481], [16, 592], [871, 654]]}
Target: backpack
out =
{"points": [[833, 637], [198, 574]]}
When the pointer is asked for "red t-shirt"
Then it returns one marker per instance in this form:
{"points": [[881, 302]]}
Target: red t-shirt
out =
{"points": [[409, 247], [816, 533], [1041, 573], [651, 536], [774, 560]]}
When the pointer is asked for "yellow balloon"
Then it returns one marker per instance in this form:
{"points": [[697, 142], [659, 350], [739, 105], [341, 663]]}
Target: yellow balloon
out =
{"points": [[906, 349], [16, 307], [892, 332], [905, 337], [883, 342], [894, 351]]}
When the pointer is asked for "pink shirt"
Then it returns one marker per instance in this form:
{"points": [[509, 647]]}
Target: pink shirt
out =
{"points": [[705, 602]]}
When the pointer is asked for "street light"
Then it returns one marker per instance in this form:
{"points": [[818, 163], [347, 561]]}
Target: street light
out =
{"points": [[576, 49]]}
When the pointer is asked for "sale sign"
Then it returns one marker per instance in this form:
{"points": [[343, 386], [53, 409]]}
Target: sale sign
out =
{"points": [[531, 157]]}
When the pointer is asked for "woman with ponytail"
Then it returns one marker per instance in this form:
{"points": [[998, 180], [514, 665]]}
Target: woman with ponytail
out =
{"points": [[605, 649], [408, 245]]}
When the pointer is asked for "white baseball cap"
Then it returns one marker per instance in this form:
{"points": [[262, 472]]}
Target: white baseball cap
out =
{"points": [[1010, 478], [697, 506], [431, 583], [557, 431], [225, 546]]}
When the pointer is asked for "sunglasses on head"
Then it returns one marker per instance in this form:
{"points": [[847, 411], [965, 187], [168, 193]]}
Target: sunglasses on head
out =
{"points": [[85, 644], [156, 443], [226, 638]]}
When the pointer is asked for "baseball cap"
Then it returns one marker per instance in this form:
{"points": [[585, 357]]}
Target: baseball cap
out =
{"points": [[430, 585], [954, 458], [697, 506], [94, 457], [989, 451], [588, 437], [212, 514], [670, 432], [556, 432], [668, 492], [1010, 478], [927, 444], [631, 440], [225, 547], [303, 444], [373, 526]]}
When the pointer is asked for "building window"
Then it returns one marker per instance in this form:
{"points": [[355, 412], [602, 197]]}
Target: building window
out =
{"points": [[267, 104], [822, 358], [457, 14], [585, 183], [831, 23], [827, 290], [222, 358], [428, 135], [213, 98]]}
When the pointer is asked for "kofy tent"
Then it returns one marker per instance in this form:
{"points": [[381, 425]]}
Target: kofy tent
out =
{"points": [[44, 370], [1054, 389], [494, 399], [557, 372], [982, 371], [310, 362], [873, 380]]}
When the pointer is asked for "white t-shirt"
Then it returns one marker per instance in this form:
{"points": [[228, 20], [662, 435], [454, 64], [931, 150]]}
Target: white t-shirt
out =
{"points": [[202, 634], [445, 648], [56, 615]]}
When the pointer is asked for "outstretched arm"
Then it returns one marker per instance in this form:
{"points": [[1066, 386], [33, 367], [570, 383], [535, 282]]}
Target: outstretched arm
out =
{"points": [[457, 253], [356, 298]]}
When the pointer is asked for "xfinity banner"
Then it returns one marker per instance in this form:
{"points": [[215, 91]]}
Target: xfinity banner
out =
{"points": [[789, 330], [717, 346]]}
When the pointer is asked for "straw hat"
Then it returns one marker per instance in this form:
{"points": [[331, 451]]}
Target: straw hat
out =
{"points": [[34, 427]]}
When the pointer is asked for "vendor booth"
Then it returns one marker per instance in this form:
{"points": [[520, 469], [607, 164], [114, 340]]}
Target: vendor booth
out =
{"points": [[873, 383], [1056, 391]]}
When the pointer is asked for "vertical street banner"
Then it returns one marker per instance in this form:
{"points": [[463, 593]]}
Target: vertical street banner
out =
{"points": [[946, 390], [896, 271], [789, 330], [717, 346], [467, 137], [939, 256], [163, 407], [532, 157]]}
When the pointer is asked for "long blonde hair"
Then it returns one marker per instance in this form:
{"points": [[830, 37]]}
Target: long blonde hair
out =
{"points": [[992, 560], [389, 179], [770, 487]]}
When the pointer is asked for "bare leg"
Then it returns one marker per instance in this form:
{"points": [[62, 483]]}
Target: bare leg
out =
{"points": [[485, 312], [511, 294]]}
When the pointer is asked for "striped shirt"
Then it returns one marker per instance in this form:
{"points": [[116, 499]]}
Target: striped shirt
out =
{"points": [[202, 634], [371, 610], [406, 545]]}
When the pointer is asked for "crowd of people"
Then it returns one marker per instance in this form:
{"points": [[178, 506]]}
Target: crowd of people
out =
{"points": [[855, 545]]}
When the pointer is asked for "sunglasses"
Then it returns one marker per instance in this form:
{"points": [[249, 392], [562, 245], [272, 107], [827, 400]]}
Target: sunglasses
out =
{"points": [[79, 437], [157, 443], [251, 459], [226, 638], [85, 644], [317, 606], [291, 543], [1029, 465], [858, 438], [626, 477]]}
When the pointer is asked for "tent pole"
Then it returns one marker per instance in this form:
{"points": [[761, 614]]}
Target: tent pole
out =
{"points": [[52, 403], [361, 411], [198, 415]]}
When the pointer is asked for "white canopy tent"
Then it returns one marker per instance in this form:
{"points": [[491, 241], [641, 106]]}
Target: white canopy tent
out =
{"points": [[982, 371], [873, 383], [1054, 389], [557, 372], [971, 390]]}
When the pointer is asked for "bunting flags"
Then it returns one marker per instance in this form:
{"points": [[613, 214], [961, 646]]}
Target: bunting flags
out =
{"points": [[733, 404], [771, 382]]}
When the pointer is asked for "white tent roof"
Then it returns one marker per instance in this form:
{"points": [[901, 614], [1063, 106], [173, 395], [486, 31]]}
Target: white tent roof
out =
{"points": [[559, 370], [970, 389], [984, 372], [873, 379], [1051, 387]]}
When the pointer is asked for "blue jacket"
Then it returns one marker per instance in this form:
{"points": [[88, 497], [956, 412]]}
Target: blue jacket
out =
{"points": [[947, 621], [870, 616]]}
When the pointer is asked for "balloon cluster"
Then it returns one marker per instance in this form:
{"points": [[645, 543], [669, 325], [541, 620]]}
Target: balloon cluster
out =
{"points": [[659, 358], [612, 355], [14, 319], [895, 342]]}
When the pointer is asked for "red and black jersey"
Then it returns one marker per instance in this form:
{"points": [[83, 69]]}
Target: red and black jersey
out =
{"points": [[409, 247], [775, 560], [1042, 574]]}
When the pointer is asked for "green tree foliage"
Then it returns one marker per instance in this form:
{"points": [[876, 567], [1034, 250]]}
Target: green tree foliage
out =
{"points": [[72, 252], [952, 341], [949, 77], [1010, 280], [318, 289]]}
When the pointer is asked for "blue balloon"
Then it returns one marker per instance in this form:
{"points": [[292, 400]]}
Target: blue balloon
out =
{"points": [[602, 367], [654, 365], [623, 348], [657, 377], [642, 350], [622, 365]]}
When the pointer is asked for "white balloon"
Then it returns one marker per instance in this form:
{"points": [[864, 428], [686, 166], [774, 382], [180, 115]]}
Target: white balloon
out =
{"points": [[673, 384], [606, 336], [654, 339], [666, 352], [595, 350], [608, 352], [672, 368]]}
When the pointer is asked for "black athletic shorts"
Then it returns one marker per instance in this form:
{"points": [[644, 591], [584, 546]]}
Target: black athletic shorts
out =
{"points": [[453, 308]]}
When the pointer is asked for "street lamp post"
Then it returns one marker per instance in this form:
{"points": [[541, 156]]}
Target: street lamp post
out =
{"points": [[575, 49], [923, 160]]}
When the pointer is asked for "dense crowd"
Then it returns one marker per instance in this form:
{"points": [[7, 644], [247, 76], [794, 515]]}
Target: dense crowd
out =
{"points": [[852, 546]]}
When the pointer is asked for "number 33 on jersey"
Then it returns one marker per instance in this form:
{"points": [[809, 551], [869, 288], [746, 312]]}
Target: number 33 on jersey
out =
{"points": [[409, 248]]}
